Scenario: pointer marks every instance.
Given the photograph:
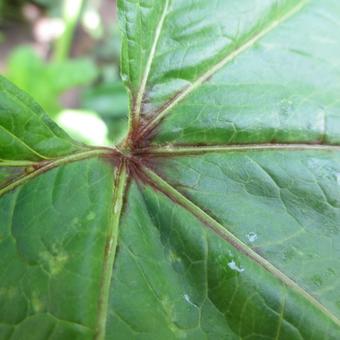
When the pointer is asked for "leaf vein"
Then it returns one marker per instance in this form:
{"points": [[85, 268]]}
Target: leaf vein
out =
{"points": [[140, 94], [164, 110], [111, 242], [226, 235], [49, 166]]}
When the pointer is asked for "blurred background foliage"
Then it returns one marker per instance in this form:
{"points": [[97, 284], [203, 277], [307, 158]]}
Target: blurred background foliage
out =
{"points": [[65, 53]]}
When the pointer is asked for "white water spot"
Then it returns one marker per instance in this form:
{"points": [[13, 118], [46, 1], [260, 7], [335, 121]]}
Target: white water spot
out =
{"points": [[251, 236], [187, 299], [232, 265]]}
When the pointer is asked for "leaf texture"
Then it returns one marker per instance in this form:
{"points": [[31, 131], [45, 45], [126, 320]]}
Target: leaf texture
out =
{"points": [[217, 217], [282, 89], [26, 132]]}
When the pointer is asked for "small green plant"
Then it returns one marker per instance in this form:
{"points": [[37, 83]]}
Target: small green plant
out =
{"points": [[217, 217]]}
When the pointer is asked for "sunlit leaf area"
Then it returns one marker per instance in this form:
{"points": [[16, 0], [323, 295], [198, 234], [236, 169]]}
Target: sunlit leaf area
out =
{"points": [[65, 54]]}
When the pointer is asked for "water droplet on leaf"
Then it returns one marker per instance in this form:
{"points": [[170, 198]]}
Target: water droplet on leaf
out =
{"points": [[187, 299], [251, 236], [232, 265]]}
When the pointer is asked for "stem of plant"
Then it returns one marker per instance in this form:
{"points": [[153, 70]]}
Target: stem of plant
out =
{"points": [[71, 14]]}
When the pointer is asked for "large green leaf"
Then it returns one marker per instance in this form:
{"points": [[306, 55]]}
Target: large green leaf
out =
{"points": [[26, 132], [217, 217]]}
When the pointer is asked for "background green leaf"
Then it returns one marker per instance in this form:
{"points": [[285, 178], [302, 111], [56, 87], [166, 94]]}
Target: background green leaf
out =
{"points": [[47, 81]]}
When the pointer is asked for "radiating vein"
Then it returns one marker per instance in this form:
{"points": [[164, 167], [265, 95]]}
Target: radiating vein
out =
{"points": [[46, 166], [282, 310], [24, 144], [169, 150], [136, 110], [110, 251], [226, 235], [158, 116], [16, 164], [43, 117]]}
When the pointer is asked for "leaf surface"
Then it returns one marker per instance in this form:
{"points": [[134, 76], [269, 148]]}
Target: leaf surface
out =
{"points": [[217, 217], [282, 204], [26, 132], [179, 275], [53, 232], [282, 88]]}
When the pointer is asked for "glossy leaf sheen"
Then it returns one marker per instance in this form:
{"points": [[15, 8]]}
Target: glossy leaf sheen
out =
{"points": [[217, 218]]}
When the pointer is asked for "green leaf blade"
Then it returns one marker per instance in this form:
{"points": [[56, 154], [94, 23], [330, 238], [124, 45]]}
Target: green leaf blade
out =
{"points": [[218, 215], [184, 281], [26, 132], [283, 204], [281, 88], [190, 43], [53, 236], [138, 49]]}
